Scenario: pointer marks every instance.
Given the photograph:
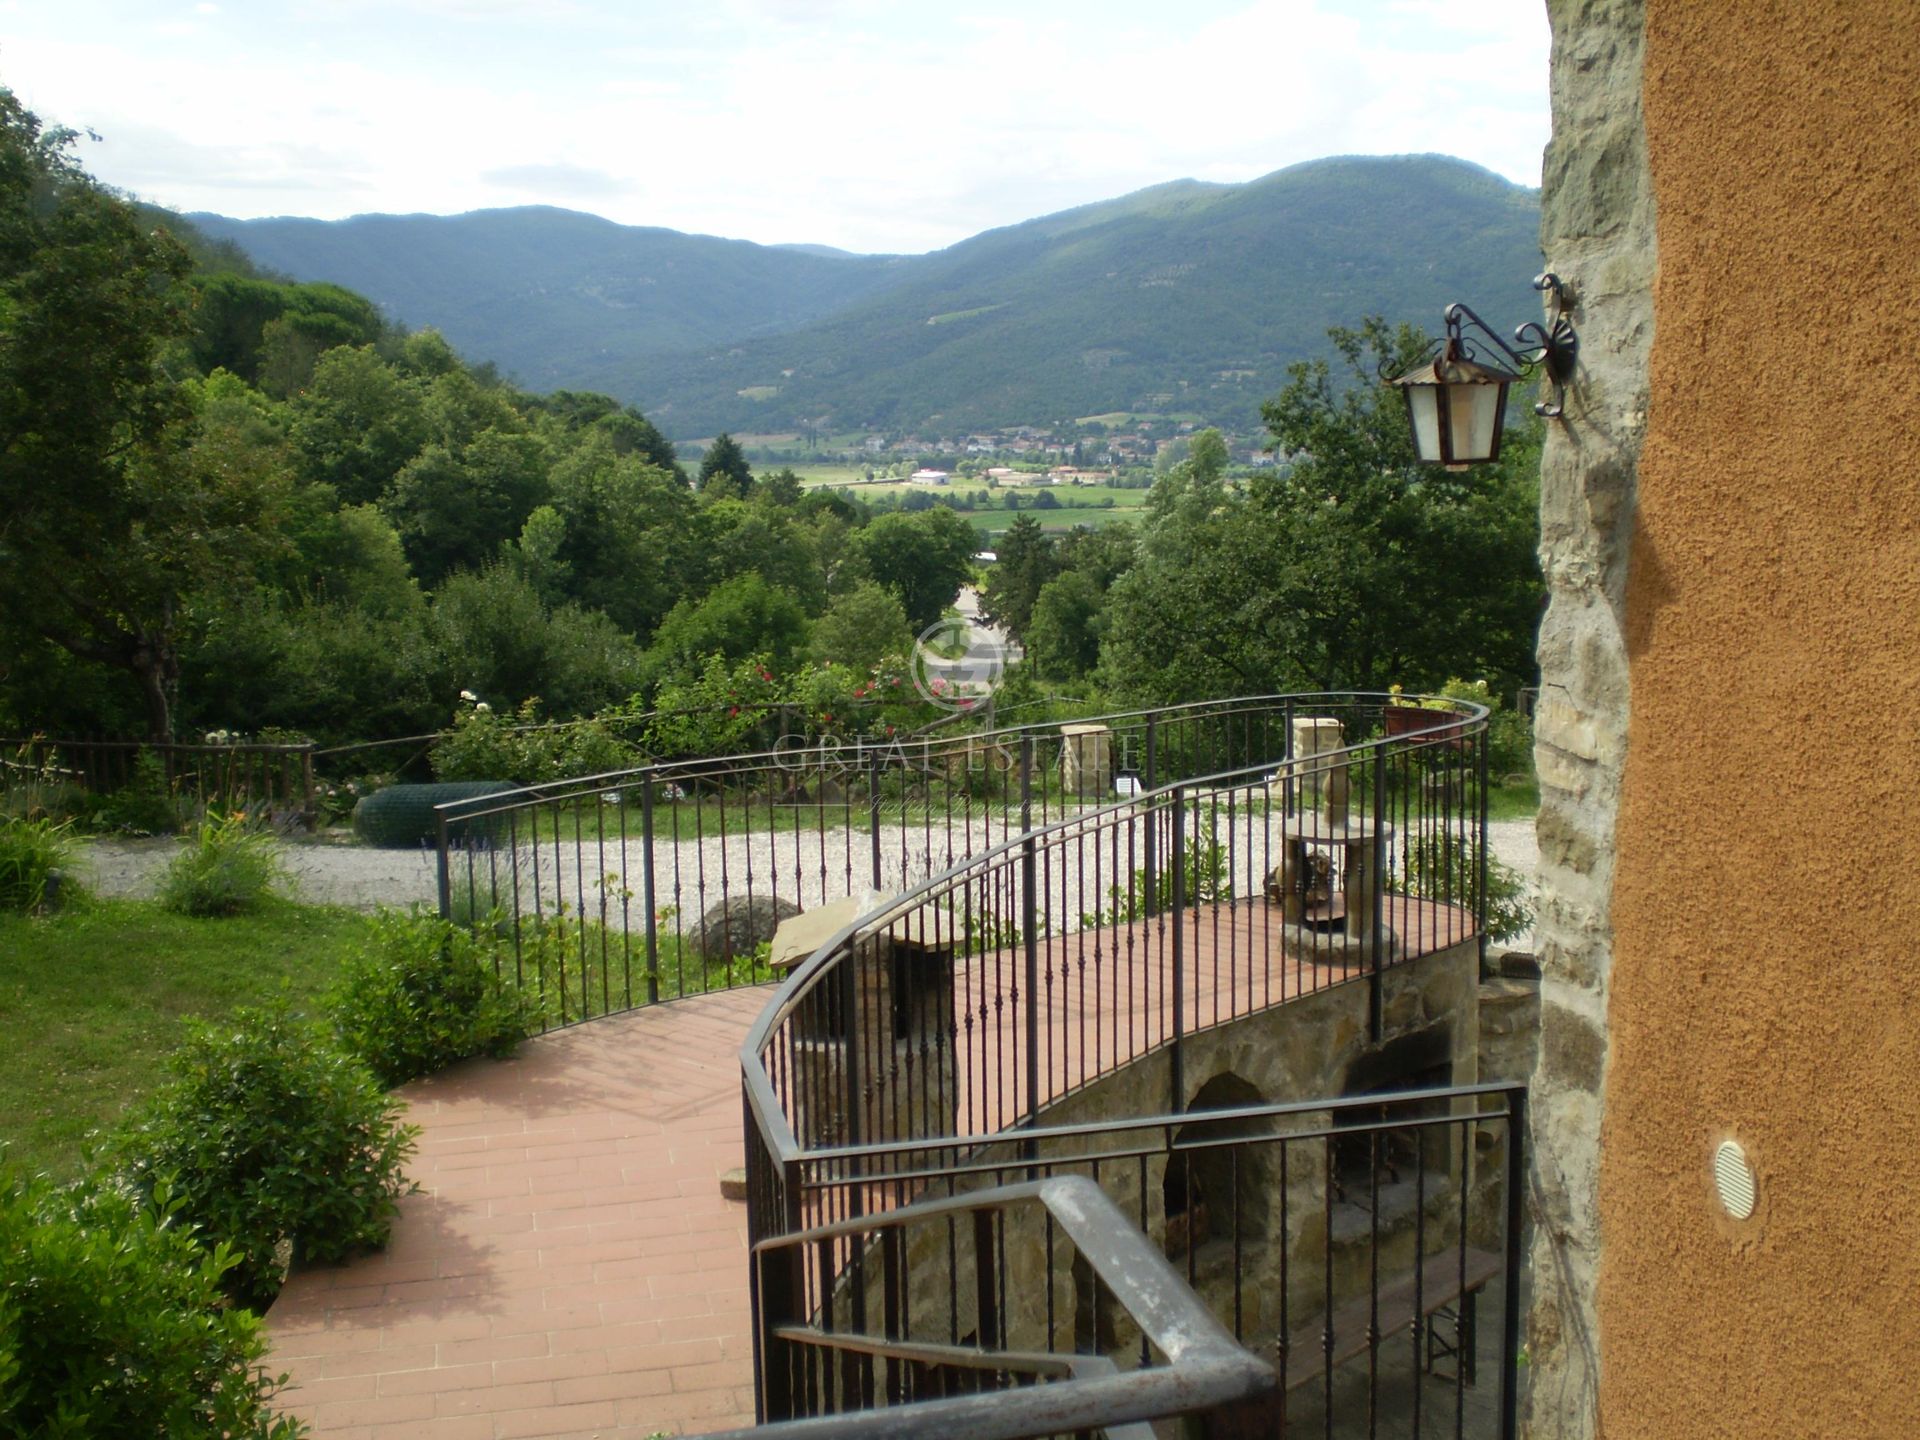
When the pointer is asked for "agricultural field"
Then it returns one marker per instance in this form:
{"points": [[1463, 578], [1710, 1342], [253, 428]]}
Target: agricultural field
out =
{"points": [[1076, 504]]}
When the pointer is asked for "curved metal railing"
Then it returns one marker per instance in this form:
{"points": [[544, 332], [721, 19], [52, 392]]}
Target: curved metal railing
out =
{"points": [[987, 994], [612, 888]]}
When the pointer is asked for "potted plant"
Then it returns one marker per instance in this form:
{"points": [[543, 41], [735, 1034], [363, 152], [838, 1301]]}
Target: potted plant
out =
{"points": [[1430, 716]]}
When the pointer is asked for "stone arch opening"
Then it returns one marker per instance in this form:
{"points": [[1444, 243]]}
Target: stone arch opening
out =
{"points": [[1365, 1160], [1214, 1186]]}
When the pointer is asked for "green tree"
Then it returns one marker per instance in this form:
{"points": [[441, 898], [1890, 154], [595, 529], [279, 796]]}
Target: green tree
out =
{"points": [[357, 423], [1025, 561], [456, 507], [630, 542], [630, 432], [490, 632], [109, 520], [723, 471], [781, 488], [761, 539], [923, 559], [861, 627], [1405, 573], [740, 617], [1353, 567], [1063, 640]]}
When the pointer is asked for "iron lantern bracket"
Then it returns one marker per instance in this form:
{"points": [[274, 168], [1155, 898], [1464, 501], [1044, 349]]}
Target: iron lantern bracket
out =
{"points": [[1553, 346]]}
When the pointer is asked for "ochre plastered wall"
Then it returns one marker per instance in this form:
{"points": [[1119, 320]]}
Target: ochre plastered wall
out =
{"points": [[1766, 897]]}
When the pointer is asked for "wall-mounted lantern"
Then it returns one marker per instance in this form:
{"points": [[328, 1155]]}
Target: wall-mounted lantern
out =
{"points": [[1458, 405]]}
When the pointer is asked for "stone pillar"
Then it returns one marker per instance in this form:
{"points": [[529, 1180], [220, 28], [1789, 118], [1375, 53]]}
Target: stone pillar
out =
{"points": [[1086, 760], [1597, 229], [1316, 782]]}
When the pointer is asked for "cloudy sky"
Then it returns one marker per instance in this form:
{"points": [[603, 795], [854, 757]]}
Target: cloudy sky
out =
{"points": [[875, 125]]}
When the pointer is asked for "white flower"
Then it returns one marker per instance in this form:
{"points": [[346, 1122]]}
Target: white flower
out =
{"points": [[483, 708], [468, 696]]}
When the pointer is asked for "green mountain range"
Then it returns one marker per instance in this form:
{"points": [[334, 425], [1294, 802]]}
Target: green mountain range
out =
{"points": [[1185, 298]]}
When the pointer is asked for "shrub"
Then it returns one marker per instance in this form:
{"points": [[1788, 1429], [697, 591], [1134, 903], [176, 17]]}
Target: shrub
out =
{"points": [[728, 708], [30, 852], [145, 805], [227, 869], [1440, 867], [1509, 733], [401, 817], [113, 1322], [483, 745], [422, 994], [269, 1136], [1206, 879]]}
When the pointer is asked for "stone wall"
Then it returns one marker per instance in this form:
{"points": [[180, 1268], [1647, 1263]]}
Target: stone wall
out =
{"points": [[1303, 1050], [1764, 911], [1597, 229]]}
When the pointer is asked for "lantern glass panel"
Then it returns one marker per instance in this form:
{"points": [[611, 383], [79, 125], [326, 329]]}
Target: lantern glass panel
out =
{"points": [[1473, 414], [1423, 410]]}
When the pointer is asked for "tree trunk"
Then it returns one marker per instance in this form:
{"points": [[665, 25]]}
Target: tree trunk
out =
{"points": [[157, 669]]}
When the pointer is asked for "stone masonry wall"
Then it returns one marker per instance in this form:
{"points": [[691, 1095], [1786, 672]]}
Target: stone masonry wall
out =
{"points": [[1597, 229]]}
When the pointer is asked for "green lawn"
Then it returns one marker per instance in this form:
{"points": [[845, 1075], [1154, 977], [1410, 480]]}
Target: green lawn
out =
{"points": [[94, 999], [1514, 802]]}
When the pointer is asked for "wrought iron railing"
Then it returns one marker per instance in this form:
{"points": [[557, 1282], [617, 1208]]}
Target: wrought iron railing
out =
{"points": [[964, 1349], [930, 1043], [604, 885], [1019, 975], [1367, 1251], [1026, 913]]}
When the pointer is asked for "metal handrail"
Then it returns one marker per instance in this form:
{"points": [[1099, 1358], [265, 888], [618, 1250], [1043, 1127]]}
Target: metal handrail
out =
{"points": [[803, 978], [1206, 1368], [654, 770]]}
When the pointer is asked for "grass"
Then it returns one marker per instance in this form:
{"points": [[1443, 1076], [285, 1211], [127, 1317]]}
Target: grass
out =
{"points": [[1519, 801], [590, 821], [93, 999]]}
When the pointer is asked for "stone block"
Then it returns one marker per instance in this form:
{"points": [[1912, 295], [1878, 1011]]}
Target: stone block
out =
{"points": [[800, 934], [1086, 760], [1307, 780]]}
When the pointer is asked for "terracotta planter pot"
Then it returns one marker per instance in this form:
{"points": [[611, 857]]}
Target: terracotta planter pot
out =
{"points": [[1418, 720]]}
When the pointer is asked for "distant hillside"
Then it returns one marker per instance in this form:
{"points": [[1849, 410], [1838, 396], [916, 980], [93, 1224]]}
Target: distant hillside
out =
{"points": [[557, 298], [1184, 297]]}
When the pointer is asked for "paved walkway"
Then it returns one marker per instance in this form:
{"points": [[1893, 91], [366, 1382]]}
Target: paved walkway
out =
{"points": [[569, 1267]]}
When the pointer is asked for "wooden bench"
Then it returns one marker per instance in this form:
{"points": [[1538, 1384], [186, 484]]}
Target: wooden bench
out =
{"points": [[1436, 1287]]}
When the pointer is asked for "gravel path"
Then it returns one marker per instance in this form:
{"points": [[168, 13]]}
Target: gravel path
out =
{"points": [[324, 872], [689, 875]]}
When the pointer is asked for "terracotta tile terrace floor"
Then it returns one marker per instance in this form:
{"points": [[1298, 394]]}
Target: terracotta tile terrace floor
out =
{"points": [[569, 1267]]}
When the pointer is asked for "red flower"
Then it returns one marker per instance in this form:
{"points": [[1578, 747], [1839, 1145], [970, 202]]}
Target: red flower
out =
{"points": [[734, 711]]}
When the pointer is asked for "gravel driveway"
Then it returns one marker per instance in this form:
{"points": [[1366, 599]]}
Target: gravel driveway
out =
{"points": [[335, 872]]}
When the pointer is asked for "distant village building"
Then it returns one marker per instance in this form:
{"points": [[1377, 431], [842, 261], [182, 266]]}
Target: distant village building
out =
{"points": [[928, 477]]}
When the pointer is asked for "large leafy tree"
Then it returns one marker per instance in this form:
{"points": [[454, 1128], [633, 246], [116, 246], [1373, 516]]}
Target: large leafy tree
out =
{"points": [[924, 559], [357, 423], [1351, 565], [626, 537], [110, 518]]}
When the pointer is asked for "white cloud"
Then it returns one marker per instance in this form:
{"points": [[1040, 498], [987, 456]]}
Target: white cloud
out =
{"points": [[869, 125]]}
